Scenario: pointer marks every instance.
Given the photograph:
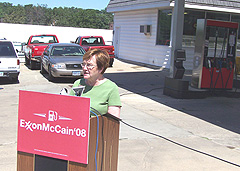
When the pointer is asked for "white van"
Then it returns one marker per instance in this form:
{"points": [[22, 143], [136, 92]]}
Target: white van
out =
{"points": [[9, 61]]}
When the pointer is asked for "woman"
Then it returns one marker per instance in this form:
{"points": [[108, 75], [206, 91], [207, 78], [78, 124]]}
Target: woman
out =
{"points": [[103, 93]]}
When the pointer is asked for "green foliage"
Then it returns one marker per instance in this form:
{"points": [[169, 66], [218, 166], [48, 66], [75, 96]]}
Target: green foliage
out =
{"points": [[42, 15]]}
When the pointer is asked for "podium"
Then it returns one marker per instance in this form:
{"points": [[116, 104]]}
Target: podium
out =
{"points": [[107, 151], [107, 154]]}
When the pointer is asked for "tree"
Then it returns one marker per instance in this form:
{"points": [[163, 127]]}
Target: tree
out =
{"points": [[42, 15]]}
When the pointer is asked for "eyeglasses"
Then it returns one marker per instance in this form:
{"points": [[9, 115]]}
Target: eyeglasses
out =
{"points": [[89, 66]]}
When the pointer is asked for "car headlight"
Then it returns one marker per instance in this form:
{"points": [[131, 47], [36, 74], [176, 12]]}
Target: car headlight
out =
{"points": [[59, 66]]}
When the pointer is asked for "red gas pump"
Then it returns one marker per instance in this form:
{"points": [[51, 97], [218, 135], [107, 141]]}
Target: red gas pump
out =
{"points": [[215, 53]]}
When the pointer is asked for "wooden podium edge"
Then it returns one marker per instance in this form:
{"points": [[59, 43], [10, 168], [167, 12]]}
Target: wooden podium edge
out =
{"points": [[25, 161]]}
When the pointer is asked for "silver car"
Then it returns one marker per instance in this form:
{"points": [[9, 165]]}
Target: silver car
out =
{"points": [[62, 60]]}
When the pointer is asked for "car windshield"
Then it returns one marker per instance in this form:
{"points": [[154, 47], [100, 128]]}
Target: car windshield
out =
{"points": [[43, 39], [67, 51], [6, 49], [92, 41]]}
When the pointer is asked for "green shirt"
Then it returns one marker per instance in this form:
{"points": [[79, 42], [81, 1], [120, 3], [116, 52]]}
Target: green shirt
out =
{"points": [[101, 96]]}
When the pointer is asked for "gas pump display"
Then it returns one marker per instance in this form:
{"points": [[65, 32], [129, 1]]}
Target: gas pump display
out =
{"points": [[215, 53]]}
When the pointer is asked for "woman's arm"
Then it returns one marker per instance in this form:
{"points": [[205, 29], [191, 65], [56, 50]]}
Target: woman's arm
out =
{"points": [[114, 110]]}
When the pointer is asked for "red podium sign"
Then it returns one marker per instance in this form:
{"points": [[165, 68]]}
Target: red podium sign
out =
{"points": [[54, 125]]}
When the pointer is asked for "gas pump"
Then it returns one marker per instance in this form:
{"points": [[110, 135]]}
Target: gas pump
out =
{"points": [[215, 53]]}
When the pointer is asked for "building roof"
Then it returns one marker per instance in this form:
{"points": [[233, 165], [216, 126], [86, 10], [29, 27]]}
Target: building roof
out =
{"points": [[122, 5], [216, 3], [115, 3]]}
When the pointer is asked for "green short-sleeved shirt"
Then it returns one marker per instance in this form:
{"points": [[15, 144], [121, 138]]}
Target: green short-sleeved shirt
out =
{"points": [[101, 96]]}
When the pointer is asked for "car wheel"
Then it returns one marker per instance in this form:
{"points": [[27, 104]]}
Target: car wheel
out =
{"points": [[111, 62], [43, 71], [32, 64], [50, 76], [26, 61]]}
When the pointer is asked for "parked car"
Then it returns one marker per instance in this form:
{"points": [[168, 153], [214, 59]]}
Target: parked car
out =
{"points": [[35, 46], [62, 60], [9, 61]]}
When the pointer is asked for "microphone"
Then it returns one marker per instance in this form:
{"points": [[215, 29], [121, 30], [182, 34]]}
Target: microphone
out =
{"points": [[78, 90]]}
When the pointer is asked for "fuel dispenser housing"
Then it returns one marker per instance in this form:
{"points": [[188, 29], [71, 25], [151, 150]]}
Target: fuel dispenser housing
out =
{"points": [[215, 54]]}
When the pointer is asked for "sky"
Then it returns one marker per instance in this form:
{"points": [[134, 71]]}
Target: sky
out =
{"points": [[85, 4]]}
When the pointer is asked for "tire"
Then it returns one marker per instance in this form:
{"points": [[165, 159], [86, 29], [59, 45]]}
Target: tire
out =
{"points": [[26, 60], [43, 71], [111, 62], [50, 76], [32, 64]]}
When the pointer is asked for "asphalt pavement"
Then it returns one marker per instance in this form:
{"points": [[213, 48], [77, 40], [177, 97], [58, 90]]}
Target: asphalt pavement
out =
{"points": [[180, 134]]}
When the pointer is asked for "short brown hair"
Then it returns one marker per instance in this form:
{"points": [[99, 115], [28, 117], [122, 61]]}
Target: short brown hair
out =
{"points": [[102, 58]]}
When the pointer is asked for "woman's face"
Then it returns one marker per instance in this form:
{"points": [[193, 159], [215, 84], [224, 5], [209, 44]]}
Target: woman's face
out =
{"points": [[90, 69]]}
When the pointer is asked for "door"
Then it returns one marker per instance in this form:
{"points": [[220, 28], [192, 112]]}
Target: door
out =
{"points": [[116, 41]]}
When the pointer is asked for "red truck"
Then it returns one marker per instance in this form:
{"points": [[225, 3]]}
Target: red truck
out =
{"points": [[35, 46], [96, 42]]}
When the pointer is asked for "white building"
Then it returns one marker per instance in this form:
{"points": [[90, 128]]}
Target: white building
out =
{"points": [[155, 47], [22, 32]]}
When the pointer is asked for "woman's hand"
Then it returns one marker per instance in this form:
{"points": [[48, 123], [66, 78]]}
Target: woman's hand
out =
{"points": [[114, 110]]}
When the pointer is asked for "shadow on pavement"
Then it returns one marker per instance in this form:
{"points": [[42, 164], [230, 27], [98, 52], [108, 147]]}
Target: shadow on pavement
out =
{"points": [[218, 110]]}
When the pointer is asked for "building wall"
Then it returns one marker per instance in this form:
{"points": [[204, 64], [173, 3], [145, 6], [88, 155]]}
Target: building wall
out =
{"points": [[132, 45], [21, 32]]}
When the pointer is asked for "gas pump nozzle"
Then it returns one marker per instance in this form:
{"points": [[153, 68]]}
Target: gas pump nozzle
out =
{"points": [[229, 64], [209, 64], [219, 64]]}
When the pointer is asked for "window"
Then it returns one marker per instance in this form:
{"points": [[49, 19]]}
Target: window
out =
{"points": [[67, 51], [164, 27], [236, 18], [77, 40], [44, 39], [218, 16], [190, 21], [93, 40], [7, 50], [190, 25], [46, 51]]}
